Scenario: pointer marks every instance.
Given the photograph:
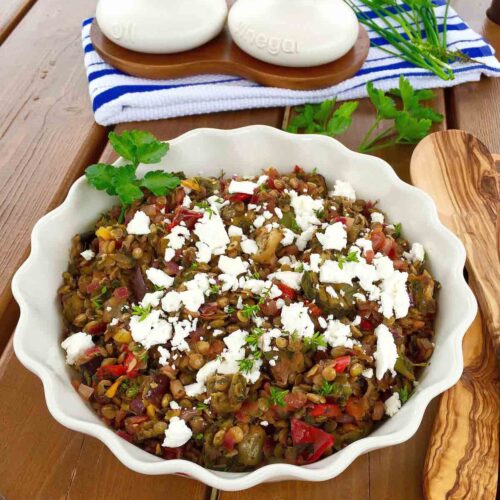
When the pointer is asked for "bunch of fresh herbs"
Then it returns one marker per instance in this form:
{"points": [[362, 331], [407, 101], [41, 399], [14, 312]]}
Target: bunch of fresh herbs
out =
{"points": [[408, 123], [411, 27]]}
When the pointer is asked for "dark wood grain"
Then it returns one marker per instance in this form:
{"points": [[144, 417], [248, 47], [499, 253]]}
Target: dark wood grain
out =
{"points": [[222, 56], [47, 131], [459, 174], [11, 13]]}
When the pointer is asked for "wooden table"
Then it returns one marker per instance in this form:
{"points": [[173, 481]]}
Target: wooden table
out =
{"points": [[47, 138]]}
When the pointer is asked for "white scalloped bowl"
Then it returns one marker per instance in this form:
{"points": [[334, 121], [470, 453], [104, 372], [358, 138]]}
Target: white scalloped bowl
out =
{"points": [[243, 151]]}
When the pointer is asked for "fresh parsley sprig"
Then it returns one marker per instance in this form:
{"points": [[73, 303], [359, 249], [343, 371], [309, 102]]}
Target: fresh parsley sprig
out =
{"points": [[350, 257], [317, 340], [141, 311], [411, 121], [136, 147], [277, 396]]}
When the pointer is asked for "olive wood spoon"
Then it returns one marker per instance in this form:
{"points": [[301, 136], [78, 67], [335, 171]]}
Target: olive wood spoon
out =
{"points": [[458, 172]]}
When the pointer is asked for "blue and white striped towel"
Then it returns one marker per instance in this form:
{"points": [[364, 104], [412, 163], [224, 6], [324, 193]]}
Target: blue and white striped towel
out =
{"points": [[118, 97]]}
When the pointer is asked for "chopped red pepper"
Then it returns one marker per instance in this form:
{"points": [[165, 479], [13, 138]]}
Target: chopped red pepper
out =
{"points": [[182, 214], [126, 436], [111, 371], [97, 328], [240, 197], [305, 434], [92, 286], [369, 255], [315, 310], [121, 292], [356, 407], [287, 291], [298, 170], [341, 219], [131, 365], [366, 324], [341, 363], [325, 410], [295, 400], [378, 240]]}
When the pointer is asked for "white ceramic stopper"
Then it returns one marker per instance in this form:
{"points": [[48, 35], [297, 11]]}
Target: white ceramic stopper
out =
{"points": [[161, 26], [295, 33]]}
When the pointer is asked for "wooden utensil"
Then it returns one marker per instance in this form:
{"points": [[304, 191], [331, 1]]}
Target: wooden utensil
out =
{"points": [[221, 55], [459, 173]]}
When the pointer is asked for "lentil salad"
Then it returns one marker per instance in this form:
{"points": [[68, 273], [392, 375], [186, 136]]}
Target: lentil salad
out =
{"points": [[240, 322]]}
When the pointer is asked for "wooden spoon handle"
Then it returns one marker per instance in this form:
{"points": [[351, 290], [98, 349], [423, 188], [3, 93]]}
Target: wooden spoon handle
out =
{"points": [[458, 171]]}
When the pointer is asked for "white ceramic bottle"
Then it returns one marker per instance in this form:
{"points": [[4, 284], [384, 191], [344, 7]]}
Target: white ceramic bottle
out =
{"points": [[295, 33], [161, 26]]}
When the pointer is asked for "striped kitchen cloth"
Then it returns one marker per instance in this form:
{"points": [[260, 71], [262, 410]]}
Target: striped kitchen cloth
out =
{"points": [[118, 97]]}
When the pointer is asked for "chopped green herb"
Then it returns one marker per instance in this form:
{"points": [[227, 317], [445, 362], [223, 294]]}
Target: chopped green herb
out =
{"points": [[198, 436], [141, 311], [299, 268], [229, 309], [329, 388], [246, 365], [256, 275], [253, 338], [278, 396], [249, 311], [320, 213], [317, 340], [201, 406], [194, 265], [214, 290], [404, 394], [132, 392], [351, 257], [397, 229], [98, 300], [288, 221]]}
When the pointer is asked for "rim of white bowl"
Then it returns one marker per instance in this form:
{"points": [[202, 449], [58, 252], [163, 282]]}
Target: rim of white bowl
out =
{"points": [[239, 481]]}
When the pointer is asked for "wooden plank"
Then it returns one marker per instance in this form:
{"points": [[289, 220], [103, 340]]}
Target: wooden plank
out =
{"points": [[11, 13], [64, 464], [475, 106], [47, 131]]}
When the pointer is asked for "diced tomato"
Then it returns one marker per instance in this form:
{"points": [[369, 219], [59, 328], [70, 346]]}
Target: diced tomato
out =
{"points": [[182, 214], [111, 371], [92, 286], [366, 324], [298, 170], [269, 308], [325, 410], [286, 291], [315, 310], [121, 292], [369, 254], [240, 197], [173, 453], [97, 328], [341, 219], [295, 400], [341, 363], [131, 365], [378, 240], [92, 350], [247, 411], [228, 441], [126, 436], [356, 408], [305, 434]]}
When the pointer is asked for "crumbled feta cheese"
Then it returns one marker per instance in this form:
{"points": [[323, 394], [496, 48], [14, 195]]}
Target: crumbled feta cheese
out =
{"points": [[392, 405], [314, 262], [249, 247], [262, 180], [211, 231], [217, 332], [264, 423], [139, 224], [206, 371], [289, 278], [150, 331], [338, 335], [267, 215], [367, 373], [182, 329], [88, 254], [114, 322], [288, 237], [174, 405], [305, 208], [164, 355], [232, 266], [416, 254], [334, 238], [177, 237], [159, 277], [177, 433], [322, 322], [344, 189], [204, 254], [186, 202], [259, 221], [377, 217], [331, 291], [169, 254], [267, 337], [234, 231], [245, 187], [278, 212], [151, 299], [76, 345], [295, 318], [386, 354], [364, 244], [304, 238]]}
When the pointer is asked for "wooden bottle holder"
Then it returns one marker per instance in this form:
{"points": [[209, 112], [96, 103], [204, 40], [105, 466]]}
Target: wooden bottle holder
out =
{"points": [[222, 55]]}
